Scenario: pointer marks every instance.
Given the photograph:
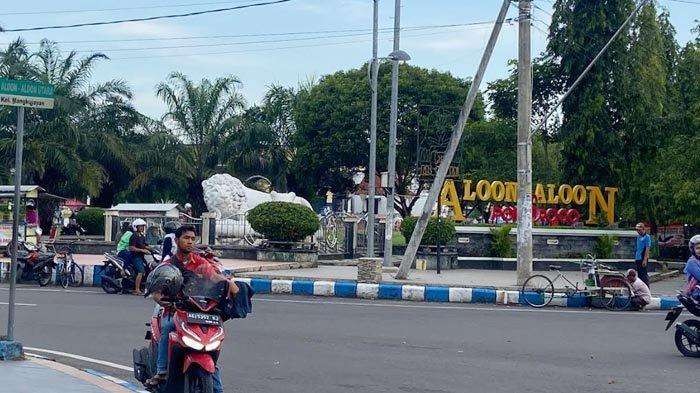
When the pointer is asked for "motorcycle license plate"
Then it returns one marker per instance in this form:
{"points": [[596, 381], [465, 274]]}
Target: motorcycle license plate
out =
{"points": [[203, 319]]}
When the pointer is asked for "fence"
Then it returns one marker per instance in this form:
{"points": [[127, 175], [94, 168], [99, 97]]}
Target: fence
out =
{"points": [[361, 233]]}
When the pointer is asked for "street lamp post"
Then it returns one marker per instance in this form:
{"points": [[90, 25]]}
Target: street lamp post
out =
{"points": [[374, 68], [391, 166]]}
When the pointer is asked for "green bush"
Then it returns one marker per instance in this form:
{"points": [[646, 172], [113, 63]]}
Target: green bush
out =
{"points": [[443, 230], [92, 220], [604, 246], [283, 221], [501, 244]]}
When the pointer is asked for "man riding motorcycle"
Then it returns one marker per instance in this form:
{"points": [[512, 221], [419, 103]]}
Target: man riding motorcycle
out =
{"points": [[692, 269], [158, 284]]}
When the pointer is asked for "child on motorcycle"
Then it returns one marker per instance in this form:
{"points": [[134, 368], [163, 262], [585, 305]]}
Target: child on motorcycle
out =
{"points": [[692, 269]]}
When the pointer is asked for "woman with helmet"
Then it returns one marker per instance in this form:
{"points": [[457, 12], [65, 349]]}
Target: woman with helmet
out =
{"points": [[138, 248], [692, 268], [169, 244]]}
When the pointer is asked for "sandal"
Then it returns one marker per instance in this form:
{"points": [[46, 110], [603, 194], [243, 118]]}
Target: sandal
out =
{"points": [[156, 380]]}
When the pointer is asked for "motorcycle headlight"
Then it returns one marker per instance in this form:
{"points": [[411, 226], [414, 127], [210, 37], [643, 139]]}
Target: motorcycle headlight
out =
{"points": [[212, 346], [192, 343]]}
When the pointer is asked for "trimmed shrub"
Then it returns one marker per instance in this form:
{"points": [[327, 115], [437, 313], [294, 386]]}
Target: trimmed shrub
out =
{"points": [[92, 220], [444, 230], [604, 246], [283, 221], [501, 244]]}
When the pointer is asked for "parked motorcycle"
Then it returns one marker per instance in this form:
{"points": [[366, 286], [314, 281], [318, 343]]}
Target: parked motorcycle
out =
{"points": [[194, 346], [34, 264], [687, 335]]}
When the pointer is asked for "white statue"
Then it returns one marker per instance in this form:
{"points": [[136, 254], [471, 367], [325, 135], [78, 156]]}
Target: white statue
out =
{"points": [[229, 199]]}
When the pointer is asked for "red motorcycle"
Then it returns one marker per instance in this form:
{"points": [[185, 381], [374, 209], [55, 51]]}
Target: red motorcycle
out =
{"points": [[194, 346]]}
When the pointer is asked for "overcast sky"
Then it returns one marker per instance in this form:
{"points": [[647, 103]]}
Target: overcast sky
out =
{"points": [[283, 58]]}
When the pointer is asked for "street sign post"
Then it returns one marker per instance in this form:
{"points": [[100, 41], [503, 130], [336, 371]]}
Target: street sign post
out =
{"points": [[22, 94]]}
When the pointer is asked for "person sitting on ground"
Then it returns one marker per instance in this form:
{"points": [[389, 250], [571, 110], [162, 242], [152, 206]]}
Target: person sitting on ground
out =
{"points": [[692, 269], [190, 264], [139, 248], [642, 294]]}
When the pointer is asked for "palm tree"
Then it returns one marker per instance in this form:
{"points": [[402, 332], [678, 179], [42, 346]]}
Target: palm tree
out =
{"points": [[203, 116], [65, 147]]}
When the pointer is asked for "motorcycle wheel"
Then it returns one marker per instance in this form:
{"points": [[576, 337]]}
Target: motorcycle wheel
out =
{"points": [[683, 343], [198, 381], [107, 285], [44, 276]]}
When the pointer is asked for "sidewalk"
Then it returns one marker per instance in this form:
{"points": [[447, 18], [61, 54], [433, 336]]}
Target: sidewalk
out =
{"points": [[476, 278], [44, 376]]}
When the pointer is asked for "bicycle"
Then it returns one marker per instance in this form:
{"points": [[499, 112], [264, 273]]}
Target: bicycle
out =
{"points": [[604, 286], [69, 273]]}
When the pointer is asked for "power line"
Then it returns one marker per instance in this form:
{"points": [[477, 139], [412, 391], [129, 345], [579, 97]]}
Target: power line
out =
{"points": [[407, 28], [266, 49], [117, 9], [687, 1], [146, 19]]}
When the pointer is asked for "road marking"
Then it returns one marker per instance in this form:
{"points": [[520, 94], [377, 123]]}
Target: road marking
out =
{"points": [[457, 306], [51, 290], [18, 304], [81, 358]]}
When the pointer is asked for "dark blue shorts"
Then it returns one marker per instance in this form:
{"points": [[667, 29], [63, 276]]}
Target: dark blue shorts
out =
{"points": [[138, 263]]}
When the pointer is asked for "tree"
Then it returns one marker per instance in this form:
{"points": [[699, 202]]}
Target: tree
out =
{"points": [[64, 147], [589, 133], [332, 120], [203, 116], [262, 144]]}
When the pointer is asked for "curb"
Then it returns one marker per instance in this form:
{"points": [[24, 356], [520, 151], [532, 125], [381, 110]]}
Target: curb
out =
{"points": [[420, 293], [125, 384]]}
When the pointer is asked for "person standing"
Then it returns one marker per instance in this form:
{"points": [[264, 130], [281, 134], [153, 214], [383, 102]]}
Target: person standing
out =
{"points": [[641, 252]]}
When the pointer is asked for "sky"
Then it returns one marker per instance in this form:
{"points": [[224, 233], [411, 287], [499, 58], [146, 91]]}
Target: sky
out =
{"points": [[337, 36]]}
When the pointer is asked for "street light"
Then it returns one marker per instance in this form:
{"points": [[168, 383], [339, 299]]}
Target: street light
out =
{"points": [[399, 55]]}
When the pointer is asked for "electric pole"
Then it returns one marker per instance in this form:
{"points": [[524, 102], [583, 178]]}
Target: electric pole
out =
{"points": [[391, 166], [371, 175], [524, 238]]}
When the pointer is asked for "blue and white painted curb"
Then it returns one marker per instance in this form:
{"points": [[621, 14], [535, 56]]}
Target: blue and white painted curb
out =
{"points": [[391, 291], [125, 384], [420, 293]]}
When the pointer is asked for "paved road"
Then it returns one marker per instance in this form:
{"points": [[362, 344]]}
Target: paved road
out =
{"points": [[297, 344]]}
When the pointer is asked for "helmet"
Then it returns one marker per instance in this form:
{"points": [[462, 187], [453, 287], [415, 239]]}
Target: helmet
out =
{"points": [[695, 240], [170, 226], [166, 279], [126, 226], [137, 223]]}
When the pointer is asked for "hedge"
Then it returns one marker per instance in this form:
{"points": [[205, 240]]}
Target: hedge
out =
{"points": [[283, 221]]}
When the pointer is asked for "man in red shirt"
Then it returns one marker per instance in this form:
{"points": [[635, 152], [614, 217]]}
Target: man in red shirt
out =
{"points": [[189, 264]]}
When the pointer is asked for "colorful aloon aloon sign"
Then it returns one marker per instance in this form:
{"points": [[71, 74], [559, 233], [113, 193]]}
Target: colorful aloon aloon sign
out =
{"points": [[564, 196]]}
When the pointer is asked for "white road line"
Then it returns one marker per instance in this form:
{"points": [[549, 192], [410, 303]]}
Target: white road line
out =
{"points": [[51, 290], [459, 306], [81, 358], [18, 304]]}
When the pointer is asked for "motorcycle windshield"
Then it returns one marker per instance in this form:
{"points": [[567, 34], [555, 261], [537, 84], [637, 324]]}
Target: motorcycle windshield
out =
{"points": [[199, 287]]}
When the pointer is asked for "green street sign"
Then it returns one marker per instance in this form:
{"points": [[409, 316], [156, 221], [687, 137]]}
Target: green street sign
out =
{"points": [[26, 93]]}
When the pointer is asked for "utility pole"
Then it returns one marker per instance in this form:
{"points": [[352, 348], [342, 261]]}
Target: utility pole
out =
{"points": [[391, 166], [457, 130], [372, 173], [524, 238], [15, 223]]}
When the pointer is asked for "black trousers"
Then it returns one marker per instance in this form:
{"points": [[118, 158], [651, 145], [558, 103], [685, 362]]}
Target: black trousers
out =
{"points": [[637, 303], [642, 271]]}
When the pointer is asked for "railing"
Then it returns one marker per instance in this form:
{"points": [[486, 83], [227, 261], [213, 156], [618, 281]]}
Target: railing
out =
{"points": [[235, 230], [361, 230]]}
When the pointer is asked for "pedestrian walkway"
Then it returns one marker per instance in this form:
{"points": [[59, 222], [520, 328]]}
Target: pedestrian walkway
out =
{"points": [[498, 279], [44, 376]]}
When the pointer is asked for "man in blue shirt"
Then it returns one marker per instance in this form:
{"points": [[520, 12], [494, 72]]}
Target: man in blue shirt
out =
{"points": [[641, 252]]}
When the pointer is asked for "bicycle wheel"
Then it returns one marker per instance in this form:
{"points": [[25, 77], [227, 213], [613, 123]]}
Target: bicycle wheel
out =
{"points": [[76, 275], [537, 291], [62, 276], [616, 293]]}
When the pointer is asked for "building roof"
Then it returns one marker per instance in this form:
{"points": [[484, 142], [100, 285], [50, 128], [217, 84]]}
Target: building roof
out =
{"points": [[144, 207], [5, 189]]}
